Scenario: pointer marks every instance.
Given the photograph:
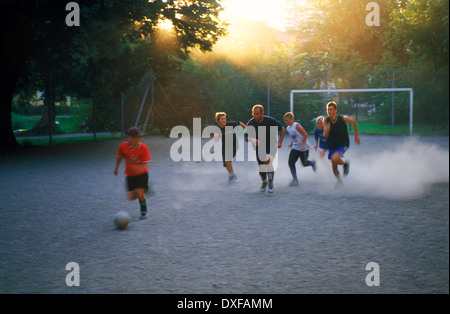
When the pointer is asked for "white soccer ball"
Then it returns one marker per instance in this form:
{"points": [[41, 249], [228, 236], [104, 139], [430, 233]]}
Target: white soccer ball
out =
{"points": [[122, 219]]}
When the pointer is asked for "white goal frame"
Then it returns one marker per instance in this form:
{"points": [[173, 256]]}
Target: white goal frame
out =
{"points": [[364, 90]]}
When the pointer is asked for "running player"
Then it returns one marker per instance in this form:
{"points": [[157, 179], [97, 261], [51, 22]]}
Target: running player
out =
{"points": [[137, 158], [265, 143], [321, 141], [232, 145], [336, 133], [299, 146]]}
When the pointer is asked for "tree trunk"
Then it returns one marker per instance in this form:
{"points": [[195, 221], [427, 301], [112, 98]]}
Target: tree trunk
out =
{"points": [[16, 39], [7, 137], [9, 78]]}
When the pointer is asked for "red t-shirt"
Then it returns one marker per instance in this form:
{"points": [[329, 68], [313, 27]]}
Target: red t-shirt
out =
{"points": [[136, 159]]}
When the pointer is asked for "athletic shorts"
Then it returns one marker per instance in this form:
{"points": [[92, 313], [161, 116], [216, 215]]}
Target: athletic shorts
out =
{"points": [[341, 150], [227, 157], [137, 182]]}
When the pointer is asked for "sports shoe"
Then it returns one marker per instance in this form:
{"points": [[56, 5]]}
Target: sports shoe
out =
{"points": [[339, 184], [270, 190], [263, 186], [143, 216], [231, 179], [346, 168], [314, 166], [293, 183]]}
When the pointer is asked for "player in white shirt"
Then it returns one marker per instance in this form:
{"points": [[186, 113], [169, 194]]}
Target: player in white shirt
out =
{"points": [[299, 146]]}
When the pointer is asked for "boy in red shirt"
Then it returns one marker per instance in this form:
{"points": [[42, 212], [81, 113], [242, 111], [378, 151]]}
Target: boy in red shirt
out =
{"points": [[137, 157]]}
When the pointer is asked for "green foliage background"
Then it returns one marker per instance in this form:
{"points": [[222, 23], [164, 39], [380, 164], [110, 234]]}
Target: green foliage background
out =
{"points": [[333, 48]]}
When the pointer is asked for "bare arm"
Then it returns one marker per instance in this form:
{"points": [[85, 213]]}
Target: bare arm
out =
{"points": [[348, 119], [326, 128], [248, 138], [116, 170], [280, 141], [302, 132]]}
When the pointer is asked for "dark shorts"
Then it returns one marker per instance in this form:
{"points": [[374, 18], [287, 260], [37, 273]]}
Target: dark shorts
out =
{"points": [[228, 153], [341, 150], [137, 182], [228, 156]]}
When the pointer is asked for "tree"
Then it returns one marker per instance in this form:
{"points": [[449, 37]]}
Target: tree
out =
{"points": [[103, 56], [421, 28], [412, 37]]}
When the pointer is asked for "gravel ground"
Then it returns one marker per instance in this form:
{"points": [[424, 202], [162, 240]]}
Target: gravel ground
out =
{"points": [[204, 236]]}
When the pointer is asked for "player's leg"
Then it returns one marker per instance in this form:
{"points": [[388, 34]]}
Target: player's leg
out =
{"points": [[228, 162], [338, 159], [270, 173], [142, 184], [131, 195], [334, 156], [131, 188], [305, 161], [229, 167], [293, 157], [262, 168], [142, 202], [334, 166]]}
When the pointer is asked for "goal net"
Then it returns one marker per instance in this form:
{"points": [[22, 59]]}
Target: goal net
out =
{"points": [[366, 90]]}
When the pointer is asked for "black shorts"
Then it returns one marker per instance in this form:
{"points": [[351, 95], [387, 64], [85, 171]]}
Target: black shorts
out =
{"points": [[226, 155], [137, 182]]}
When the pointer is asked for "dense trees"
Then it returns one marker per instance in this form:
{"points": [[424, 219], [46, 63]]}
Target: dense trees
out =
{"points": [[334, 47], [120, 44], [115, 45], [412, 38]]}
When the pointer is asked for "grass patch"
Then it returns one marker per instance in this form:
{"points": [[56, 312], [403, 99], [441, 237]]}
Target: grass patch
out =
{"points": [[65, 123], [368, 126], [67, 140]]}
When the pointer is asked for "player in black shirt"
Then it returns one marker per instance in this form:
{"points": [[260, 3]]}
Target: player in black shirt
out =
{"points": [[263, 132], [230, 144], [336, 133]]}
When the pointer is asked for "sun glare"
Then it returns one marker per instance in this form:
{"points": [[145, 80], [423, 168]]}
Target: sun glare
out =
{"points": [[272, 12], [166, 25]]}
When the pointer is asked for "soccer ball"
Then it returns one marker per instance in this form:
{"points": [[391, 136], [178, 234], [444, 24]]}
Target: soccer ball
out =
{"points": [[122, 219]]}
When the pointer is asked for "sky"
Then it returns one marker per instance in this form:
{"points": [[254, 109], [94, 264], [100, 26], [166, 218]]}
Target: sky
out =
{"points": [[272, 12]]}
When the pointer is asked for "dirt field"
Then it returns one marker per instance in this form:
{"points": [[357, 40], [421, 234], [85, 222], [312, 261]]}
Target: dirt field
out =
{"points": [[204, 236]]}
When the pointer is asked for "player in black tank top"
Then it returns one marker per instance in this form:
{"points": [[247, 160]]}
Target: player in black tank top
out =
{"points": [[336, 133]]}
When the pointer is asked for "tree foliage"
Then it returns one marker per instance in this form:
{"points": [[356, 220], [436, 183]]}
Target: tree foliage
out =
{"points": [[115, 45], [412, 38], [120, 45]]}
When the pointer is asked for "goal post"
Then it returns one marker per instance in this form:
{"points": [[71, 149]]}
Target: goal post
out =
{"points": [[364, 90]]}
